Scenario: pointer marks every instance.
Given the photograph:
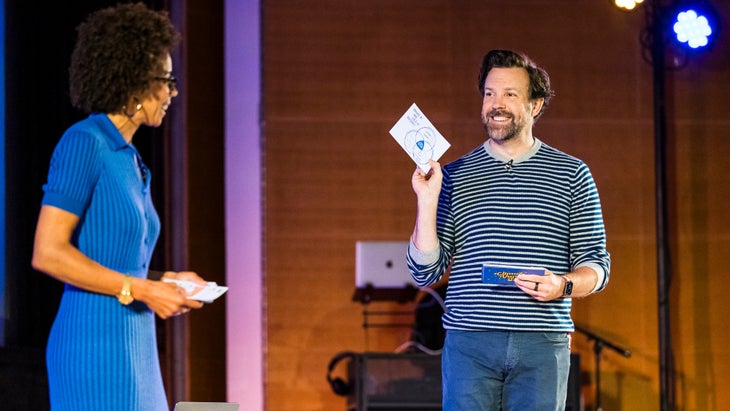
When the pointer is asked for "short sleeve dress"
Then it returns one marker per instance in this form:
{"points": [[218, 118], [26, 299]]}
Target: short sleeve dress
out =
{"points": [[102, 355]]}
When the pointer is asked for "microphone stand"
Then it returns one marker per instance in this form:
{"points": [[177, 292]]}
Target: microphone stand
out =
{"points": [[598, 345]]}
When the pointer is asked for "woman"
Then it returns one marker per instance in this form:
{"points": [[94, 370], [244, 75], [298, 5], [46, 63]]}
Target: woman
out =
{"points": [[97, 226]]}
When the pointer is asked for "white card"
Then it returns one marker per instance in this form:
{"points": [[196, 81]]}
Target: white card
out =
{"points": [[419, 138], [207, 294]]}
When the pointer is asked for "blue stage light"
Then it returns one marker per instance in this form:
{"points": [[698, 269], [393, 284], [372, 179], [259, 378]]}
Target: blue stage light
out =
{"points": [[694, 25], [692, 29]]}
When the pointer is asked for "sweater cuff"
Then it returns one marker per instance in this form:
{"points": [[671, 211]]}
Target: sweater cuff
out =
{"points": [[600, 273], [421, 257]]}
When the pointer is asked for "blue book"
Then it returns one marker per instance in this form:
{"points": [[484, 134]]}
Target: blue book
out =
{"points": [[505, 275]]}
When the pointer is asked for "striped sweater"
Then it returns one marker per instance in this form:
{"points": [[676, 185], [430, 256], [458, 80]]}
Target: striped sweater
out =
{"points": [[541, 210]]}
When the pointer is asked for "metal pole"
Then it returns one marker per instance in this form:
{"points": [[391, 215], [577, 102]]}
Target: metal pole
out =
{"points": [[597, 348], [663, 265]]}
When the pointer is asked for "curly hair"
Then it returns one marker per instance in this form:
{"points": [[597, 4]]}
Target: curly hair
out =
{"points": [[539, 79], [118, 51]]}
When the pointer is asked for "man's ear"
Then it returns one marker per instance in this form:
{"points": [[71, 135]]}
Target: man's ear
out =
{"points": [[537, 106]]}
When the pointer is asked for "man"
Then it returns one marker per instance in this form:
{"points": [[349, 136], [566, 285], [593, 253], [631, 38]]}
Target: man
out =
{"points": [[513, 201]]}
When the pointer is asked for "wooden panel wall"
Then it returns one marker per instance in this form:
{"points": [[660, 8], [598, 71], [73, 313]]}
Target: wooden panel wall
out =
{"points": [[338, 74]]}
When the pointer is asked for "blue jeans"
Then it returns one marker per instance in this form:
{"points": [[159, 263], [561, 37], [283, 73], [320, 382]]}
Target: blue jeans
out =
{"points": [[505, 370]]}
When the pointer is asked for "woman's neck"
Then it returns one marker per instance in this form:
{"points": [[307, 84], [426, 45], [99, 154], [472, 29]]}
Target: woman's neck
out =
{"points": [[125, 124]]}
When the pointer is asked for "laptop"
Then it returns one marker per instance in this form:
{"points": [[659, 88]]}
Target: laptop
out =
{"points": [[382, 264], [206, 406]]}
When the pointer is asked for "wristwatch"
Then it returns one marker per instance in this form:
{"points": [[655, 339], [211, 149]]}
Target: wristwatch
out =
{"points": [[568, 289], [125, 296]]}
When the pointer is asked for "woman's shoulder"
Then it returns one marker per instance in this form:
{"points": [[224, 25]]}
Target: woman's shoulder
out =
{"points": [[86, 134]]}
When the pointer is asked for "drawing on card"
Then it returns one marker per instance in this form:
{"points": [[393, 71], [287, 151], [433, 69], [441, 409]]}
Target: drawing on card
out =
{"points": [[419, 138], [420, 143]]}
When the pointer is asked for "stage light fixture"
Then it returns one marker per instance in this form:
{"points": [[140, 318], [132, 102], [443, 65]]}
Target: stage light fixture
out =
{"points": [[694, 25], [627, 4]]}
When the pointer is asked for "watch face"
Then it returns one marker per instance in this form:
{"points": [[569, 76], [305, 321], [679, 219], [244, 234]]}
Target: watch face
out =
{"points": [[568, 288], [125, 296], [125, 299]]}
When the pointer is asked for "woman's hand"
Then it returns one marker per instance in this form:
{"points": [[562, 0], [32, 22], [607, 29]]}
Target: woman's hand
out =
{"points": [[168, 299]]}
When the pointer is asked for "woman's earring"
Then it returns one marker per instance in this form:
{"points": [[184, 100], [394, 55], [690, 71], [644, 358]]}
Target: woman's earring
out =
{"points": [[137, 107]]}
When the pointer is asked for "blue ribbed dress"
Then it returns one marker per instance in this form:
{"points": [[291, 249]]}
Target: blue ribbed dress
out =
{"points": [[102, 355]]}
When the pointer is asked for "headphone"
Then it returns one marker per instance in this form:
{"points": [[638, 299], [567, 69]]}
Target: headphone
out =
{"points": [[339, 386]]}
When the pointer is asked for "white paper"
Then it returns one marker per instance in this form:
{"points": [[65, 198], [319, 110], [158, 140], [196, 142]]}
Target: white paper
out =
{"points": [[419, 138], [206, 295]]}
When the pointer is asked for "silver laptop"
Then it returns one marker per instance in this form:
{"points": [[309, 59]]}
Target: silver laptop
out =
{"points": [[206, 406], [382, 264]]}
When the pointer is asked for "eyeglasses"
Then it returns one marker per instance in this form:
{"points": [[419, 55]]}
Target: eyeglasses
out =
{"points": [[171, 82]]}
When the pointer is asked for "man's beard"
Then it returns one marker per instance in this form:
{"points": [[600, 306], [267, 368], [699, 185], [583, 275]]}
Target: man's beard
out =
{"points": [[501, 132]]}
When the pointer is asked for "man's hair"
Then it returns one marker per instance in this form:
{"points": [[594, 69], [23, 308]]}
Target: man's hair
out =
{"points": [[118, 52], [539, 79]]}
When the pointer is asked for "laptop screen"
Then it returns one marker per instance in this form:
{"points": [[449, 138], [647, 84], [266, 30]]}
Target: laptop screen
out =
{"points": [[206, 406], [382, 264]]}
